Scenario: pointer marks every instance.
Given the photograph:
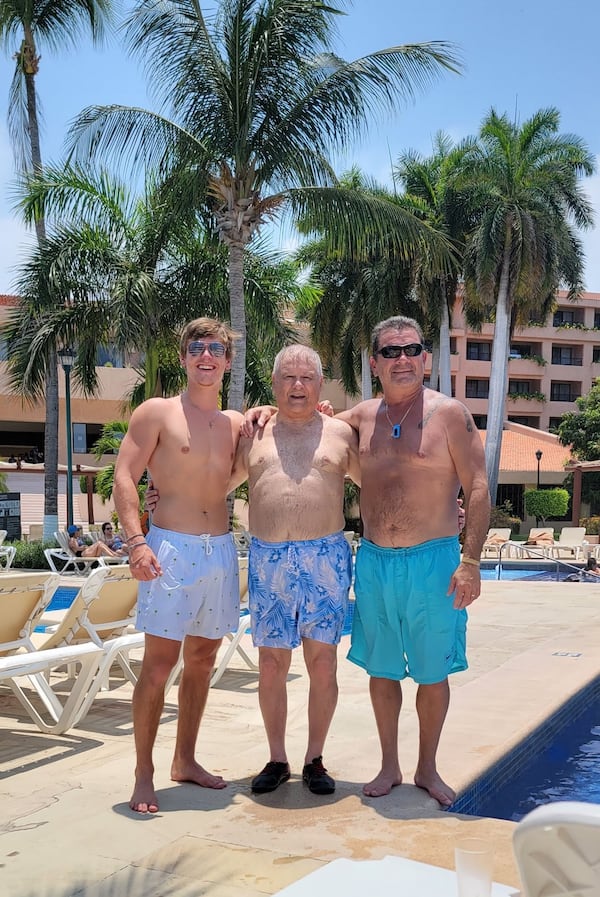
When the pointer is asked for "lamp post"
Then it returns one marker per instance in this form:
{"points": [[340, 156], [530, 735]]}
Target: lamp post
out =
{"points": [[66, 357], [538, 455]]}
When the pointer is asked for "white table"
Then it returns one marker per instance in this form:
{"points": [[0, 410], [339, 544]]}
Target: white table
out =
{"points": [[396, 876]]}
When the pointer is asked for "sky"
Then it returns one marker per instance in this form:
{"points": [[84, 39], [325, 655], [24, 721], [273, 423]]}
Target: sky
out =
{"points": [[518, 57]]}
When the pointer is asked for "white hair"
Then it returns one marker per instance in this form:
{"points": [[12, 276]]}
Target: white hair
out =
{"points": [[297, 352]]}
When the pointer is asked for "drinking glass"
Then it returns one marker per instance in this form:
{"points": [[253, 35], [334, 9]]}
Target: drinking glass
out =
{"points": [[473, 860]]}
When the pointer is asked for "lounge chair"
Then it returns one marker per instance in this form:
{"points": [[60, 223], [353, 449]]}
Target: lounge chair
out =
{"points": [[34, 666], [23, 599], [233, 637], [494, 541], [70, 561], [557, 848], [7, 556], [570, 543], [540, 540], [102, 612]]}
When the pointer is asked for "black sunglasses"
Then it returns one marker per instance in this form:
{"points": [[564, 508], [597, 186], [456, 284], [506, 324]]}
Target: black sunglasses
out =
{"points": [[411, 351], [197, 347]]}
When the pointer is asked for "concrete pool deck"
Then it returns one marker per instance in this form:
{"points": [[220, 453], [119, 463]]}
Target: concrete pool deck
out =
{"points": [[65, 824]]}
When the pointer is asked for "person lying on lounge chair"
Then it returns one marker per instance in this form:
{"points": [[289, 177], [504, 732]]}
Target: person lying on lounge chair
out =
{"points": [[113, 540], [82, 550]]}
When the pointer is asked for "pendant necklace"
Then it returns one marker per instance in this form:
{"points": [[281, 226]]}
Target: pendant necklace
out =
{"points": [[397, 428]]}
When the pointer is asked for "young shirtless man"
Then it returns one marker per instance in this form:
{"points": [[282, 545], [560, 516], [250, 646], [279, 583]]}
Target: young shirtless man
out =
{"points": [[416, 448], [300, 564], [187, 566]]}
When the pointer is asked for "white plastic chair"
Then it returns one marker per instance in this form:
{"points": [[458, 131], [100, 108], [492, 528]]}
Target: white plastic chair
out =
{"points": [[557, 848]]}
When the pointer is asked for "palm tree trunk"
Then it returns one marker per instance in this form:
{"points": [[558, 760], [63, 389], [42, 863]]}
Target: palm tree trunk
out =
{"points": [[235, 399], [434, 377], [498, 376], [444, 361], [51, 422], [366, 382]]}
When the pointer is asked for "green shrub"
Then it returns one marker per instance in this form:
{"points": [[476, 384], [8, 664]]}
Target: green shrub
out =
{"points": [[592, 525], [30, 555], [502, 516], [546, 503]]}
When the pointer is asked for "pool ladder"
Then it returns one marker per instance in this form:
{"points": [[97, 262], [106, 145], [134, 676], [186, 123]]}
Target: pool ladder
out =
{"points": [[540, 554]]}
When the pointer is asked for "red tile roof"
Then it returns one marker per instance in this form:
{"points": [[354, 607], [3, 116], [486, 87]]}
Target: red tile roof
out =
{"points": [[520, 444], [9, 301]]}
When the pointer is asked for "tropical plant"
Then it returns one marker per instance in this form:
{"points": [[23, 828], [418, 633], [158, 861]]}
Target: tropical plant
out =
{"points": [[522, 182], [354, 293], [56, 24], [134, 272], [546, 503], [257, 99], [431, 193]]}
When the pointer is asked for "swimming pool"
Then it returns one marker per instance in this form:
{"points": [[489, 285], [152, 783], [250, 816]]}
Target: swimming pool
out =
{"points": [[560, 760], [534, 573]]}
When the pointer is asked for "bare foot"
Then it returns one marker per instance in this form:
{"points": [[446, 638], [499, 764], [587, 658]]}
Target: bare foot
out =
{"points": [[383, 783], [198, 775], [143, 799], [436, 787]]}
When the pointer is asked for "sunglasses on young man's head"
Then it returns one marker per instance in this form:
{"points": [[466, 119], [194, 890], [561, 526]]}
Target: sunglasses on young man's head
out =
{"points": [[411, 351], [198, 347]]}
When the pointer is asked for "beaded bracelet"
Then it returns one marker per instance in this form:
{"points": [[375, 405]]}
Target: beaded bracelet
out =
{"points": [[471, 561]]}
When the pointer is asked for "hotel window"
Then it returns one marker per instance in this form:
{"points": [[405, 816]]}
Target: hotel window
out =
{"points": [[596, 353], [567, 355], [479, 351], [563, 316], [477, 389], [597, 320], [480, 421], [562, 392], [553, 424], [521, 386]]}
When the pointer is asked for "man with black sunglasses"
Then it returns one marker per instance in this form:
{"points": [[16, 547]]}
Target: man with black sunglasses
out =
{"points": [[417, 449], [187, 565]]}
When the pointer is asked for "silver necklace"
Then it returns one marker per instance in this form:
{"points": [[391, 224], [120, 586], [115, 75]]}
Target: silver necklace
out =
{"points": [[397, 428]]}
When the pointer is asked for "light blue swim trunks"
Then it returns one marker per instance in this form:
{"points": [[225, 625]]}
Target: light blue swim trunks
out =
{"points": [[298, 590], [404, 622], [198, 593]]}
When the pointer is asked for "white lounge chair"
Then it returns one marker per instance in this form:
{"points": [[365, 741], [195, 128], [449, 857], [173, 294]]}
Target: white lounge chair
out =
{"points": [[542, 542], [23, 599], [494, 540], [570, 543], [7, 556], [69, 560], [557, 848], [102, 612]]}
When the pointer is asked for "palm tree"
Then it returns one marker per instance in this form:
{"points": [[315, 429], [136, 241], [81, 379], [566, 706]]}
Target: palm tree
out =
{"points": [[257, 99], [526, 194], [56, 24], [134, 272], [360, 288], [430, 193]]}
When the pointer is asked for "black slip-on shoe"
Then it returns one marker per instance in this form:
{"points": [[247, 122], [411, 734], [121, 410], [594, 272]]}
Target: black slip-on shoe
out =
{"points": [[270, 777], [315, 776]]}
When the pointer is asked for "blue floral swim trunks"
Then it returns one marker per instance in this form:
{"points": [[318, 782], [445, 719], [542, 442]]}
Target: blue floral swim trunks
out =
{"points": [[298, 590]]}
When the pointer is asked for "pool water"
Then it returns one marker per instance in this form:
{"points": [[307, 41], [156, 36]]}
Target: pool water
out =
{"points": [[567, 769], [530, 575]]}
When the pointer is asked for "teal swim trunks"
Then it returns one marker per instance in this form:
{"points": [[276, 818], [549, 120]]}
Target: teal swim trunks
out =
{"points": [[404, 622]]}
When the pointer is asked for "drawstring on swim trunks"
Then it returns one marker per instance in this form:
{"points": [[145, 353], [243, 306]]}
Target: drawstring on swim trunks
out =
{"points": [[207, 543]]}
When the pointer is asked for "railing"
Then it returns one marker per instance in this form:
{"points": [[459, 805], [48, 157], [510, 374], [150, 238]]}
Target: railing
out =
{"points": [[539, 554]]}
